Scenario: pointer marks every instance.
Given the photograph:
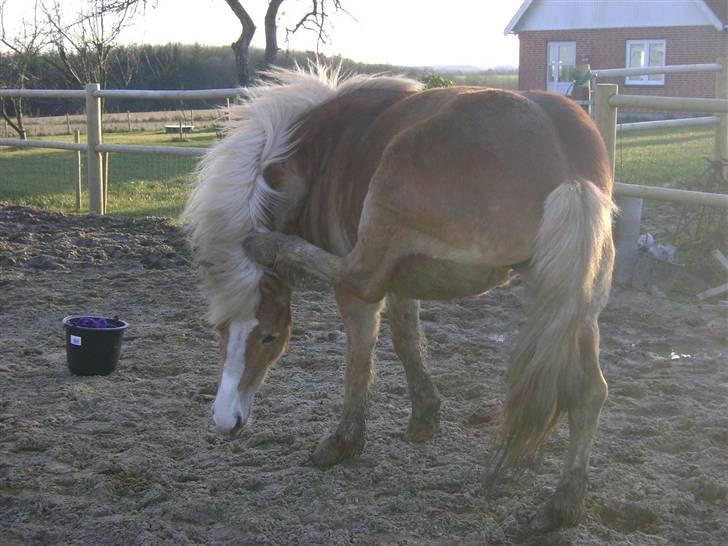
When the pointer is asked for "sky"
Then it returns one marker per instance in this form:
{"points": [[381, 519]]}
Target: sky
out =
{"points": [[399, 32]]}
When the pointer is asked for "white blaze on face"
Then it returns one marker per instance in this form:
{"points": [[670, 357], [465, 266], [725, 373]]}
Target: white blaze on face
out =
{"points": [[232, 406]]}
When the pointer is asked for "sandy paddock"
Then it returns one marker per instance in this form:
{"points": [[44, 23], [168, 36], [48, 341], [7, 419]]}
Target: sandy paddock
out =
{"points": [[132, 458]]}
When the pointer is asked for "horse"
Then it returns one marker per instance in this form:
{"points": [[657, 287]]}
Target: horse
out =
{"points": [[389, 192]]}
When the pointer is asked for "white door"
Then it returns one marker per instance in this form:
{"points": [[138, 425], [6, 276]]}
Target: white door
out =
{"points": [[560, 67]]}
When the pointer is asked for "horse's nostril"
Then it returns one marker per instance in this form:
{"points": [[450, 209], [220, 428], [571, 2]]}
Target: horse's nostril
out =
{"points": [[238, 423]]}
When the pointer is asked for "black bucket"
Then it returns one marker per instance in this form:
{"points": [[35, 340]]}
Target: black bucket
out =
{"points": [[93, 344]]}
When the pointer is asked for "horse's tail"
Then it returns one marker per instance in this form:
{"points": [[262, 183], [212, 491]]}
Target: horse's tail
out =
{"points": [[545, 371]]}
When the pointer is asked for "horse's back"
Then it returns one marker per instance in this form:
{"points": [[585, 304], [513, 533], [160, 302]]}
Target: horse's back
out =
{"points": [[473, 169]]}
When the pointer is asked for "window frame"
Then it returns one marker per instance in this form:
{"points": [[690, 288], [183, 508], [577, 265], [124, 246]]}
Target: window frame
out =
{"points": [[558, 43], [644, 79]]}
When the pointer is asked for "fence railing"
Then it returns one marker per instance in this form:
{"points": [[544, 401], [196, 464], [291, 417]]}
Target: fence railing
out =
{"points": [[94, 146], [596, 74], [668, 124], [607, 100], [630, 196], [666, 69]]}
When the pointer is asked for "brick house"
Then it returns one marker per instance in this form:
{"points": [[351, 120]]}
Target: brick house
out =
{"points": [[557, 36]]}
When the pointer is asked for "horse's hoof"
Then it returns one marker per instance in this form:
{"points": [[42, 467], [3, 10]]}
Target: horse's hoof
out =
{"points": [[333, 450], [564, 509], [422, 429]]}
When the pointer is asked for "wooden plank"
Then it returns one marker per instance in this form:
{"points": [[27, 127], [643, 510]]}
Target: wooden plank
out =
{"points": [[672, 104], [605, 118], [668, 124], [94, 134], [712, 292], [163, 150], [51, 144], [44, 93], [79, 170], [720, 306], [667, 69], [170, 93], [720, 258], [683, 197]]}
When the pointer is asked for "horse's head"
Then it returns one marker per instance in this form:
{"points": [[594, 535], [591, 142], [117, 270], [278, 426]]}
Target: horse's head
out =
{"points": [[249, 349]]}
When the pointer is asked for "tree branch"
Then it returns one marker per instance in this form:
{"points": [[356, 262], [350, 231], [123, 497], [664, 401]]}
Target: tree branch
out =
{"points": [[242, 44], [271, 33]]}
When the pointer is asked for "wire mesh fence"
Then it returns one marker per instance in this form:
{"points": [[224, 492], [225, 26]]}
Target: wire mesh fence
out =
{"points": [[680, 159], [138, 184]]}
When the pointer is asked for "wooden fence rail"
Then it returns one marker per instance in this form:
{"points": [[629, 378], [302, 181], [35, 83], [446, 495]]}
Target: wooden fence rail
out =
{"points": [[52, 144], [606, 120], [704, 121], [667, 69], [670, 104], [629, 196], [94, 132]]}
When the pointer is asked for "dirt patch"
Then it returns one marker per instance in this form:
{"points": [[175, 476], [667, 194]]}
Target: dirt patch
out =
{"points": [[132, 458]]}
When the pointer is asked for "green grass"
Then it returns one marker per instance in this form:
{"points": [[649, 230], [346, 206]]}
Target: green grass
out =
{"points": [[501, 81], [667, 158], [142, 185]]}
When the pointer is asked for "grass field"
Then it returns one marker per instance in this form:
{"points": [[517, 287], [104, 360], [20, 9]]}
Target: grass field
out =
{"points": [[142, 185], [117, 122], [139, 184]]}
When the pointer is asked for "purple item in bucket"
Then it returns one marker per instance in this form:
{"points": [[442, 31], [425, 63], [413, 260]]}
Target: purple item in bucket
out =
{"points": [[89, 322], [95, 322]]}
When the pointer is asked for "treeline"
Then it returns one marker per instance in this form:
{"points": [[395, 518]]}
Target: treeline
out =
{"points": [[170, 66]]}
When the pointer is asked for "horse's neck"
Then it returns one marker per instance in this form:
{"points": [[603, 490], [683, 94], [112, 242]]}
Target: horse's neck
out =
{"points": [[334, 161]]}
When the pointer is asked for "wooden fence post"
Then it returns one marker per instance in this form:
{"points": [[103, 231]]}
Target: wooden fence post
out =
{"points": [[721, 131], [79, 170], [627, 228], [106, 181], [93, 139], [606, 118], [582, 70]]}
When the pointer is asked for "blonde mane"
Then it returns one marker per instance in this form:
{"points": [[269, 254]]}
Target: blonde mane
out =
{"points": [[231, 198]]}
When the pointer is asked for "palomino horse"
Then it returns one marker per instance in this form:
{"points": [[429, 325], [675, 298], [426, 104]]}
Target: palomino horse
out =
{"points": [[392, 193]]}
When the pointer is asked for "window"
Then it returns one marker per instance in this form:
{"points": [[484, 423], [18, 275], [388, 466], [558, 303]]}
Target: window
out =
{"points": [[644, 53]]}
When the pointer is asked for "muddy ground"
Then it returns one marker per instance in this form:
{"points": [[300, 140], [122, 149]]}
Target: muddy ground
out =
{"points": [[132, 458]]}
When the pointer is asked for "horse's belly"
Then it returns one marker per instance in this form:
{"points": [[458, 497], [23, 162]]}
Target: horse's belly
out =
{"points": [[424, 278]]}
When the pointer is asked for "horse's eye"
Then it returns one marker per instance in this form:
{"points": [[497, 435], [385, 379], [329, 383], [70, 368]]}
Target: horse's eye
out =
{"points": [[270, 338]]}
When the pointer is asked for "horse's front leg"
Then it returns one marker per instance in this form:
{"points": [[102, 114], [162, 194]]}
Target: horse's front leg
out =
{"points": [[361, 321], [409, 344], [286, 254]]}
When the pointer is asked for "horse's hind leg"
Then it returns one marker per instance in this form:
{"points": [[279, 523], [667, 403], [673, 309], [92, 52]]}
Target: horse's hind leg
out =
{"points": [[409, 344], [361, 321], [566, 506]]}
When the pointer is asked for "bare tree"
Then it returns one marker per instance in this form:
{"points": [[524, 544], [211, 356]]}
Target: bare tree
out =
{"points": [[87, 41], [271, 33], [315, 19], [23, 48], [241, 46]]}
